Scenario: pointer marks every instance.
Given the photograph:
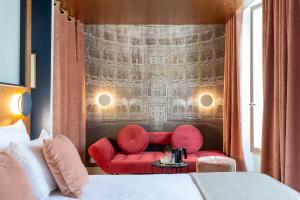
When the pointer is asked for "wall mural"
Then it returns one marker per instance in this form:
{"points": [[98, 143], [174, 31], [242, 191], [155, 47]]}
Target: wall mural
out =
{"points": [[155, 76]]}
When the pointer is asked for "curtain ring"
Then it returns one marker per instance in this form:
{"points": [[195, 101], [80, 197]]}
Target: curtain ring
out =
{"points": [[62, 11]]}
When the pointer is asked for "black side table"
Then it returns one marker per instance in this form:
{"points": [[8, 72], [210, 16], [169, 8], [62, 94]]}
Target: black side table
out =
{"points": [[169, 168]]}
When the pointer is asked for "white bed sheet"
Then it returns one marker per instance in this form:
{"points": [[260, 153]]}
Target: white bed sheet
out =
{"points": [[138, 187], [242, 186]]}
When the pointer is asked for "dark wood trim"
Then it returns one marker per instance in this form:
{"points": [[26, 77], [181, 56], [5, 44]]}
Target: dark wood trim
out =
{"points": [[166, 12], [11, 84]]}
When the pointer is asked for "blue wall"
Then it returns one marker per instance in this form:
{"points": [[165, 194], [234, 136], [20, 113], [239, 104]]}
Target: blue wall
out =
{"points": [[41, 45]]}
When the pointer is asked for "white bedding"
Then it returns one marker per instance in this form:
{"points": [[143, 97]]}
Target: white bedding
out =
{"points": [[209, 186], [137, 187], [242, 186]]}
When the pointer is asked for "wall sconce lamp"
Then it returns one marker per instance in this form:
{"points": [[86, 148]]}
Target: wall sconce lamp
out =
{"points": [[104, 100], [21, 104], [206, 100]]}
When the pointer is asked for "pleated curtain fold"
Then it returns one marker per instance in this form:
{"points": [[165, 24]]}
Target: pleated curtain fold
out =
{"points": [[232, 137], [281, 119], [69, 113]]}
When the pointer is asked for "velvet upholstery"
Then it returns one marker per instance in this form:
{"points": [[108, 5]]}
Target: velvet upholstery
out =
{"points": [[140, 163], [69, 79], [14, 184], [81, 88], [102, 152], [66, 166], [215, 164], [133, 139], [188, 137], [160, 138], [281, 127], [232, 137]]}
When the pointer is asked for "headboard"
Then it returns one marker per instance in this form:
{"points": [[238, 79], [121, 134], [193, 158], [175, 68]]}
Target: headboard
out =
{"points": [[7, 92]]}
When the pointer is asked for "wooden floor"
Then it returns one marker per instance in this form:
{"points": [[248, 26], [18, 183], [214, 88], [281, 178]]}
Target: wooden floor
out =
{"points": [[95, 171]]}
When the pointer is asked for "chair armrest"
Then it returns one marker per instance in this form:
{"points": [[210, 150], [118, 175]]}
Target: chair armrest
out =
{"points": [[102, 152]]}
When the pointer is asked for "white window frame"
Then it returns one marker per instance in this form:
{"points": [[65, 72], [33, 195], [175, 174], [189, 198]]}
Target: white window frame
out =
{"points": [[252, 104]]}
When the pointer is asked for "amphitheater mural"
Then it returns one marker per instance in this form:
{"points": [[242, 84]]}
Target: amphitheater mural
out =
{"points": [[155, 76]]}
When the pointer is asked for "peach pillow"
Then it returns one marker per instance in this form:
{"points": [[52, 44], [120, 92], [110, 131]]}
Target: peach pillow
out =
{"points": [[65, 165], [13, 183]]}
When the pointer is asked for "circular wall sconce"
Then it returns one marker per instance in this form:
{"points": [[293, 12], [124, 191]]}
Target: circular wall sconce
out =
{"points": [[104, 100], [206, 100], [21, 104], [25, 104]]}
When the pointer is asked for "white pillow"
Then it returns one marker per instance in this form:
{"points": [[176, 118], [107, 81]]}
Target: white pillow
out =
{"points": [[13, 133], [31, 158]]}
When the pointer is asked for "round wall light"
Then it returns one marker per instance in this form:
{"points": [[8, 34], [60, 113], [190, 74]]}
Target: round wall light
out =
{"points": [[206, 100], [21, 104], [14, 104], [104, 100], [25, 104]]}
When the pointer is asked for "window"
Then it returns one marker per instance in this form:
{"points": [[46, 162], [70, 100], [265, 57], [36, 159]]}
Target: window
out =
{"points": [[256, 78], [13, 42], [251, 83]]}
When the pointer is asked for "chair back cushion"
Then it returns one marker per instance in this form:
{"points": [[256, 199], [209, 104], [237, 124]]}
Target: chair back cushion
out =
{"points": [[188, 137], [133, 139]]}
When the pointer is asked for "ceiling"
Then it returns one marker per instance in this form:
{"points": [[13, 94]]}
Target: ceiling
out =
{"points": [[152, 11]]}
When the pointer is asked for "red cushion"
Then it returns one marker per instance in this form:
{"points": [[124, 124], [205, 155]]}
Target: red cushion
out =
{"points": [[141, 163], [188, 137], [160, 138], [133, 139], [102, 152]]}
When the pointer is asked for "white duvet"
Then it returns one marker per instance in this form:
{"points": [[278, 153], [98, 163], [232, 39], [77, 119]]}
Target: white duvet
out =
{"points": [[208, 186], [138, 187]]}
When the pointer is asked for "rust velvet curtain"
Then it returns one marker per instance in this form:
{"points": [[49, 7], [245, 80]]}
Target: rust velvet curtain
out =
{"points": [[232, 138], [281, 125], [69, 113]]}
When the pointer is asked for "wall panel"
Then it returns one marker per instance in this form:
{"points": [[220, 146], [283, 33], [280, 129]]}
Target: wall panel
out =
{"points": [[155, 75]]}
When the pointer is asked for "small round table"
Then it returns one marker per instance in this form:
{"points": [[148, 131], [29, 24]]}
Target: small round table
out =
{"points": [[169, 168]]}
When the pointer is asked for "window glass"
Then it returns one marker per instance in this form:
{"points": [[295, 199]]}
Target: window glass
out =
{"points": [[257, 75], [10, 41]]}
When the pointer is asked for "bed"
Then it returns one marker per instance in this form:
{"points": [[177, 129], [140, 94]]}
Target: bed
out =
{"points": [[195, 186]]}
